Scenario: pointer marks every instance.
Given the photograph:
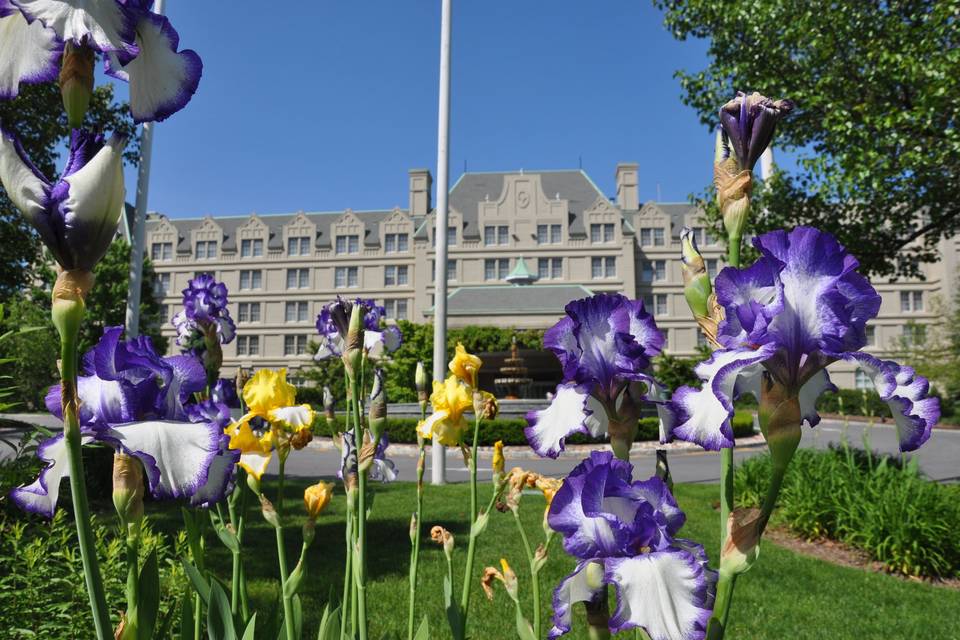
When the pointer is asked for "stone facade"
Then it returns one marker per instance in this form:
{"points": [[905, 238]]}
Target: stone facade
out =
{"points": [[521, 245]]}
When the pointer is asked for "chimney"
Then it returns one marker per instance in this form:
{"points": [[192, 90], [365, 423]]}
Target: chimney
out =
{"points": [[628, 193], [420, 184]]}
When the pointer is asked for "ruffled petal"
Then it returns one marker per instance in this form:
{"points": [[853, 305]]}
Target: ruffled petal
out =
{"points": [[568, 413], [107, 26], [162, 80], [41, 495], [810, 392], [298, 417], [180, 459], [572, 589], [255, 463], [668, 593], [914, 411], [704, 415], [187, 377], [93, 205], [29, 53]]}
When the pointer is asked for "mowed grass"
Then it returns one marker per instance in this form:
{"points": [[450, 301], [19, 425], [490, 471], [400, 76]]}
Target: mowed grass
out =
{"points": [[785, 596]]}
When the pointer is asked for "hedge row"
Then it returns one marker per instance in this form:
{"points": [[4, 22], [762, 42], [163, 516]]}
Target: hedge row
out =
{"points": [[510, 430]]}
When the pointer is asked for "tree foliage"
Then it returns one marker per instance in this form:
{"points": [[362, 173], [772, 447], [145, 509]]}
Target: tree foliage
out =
{"points": [[876, 86], [36, 116]]}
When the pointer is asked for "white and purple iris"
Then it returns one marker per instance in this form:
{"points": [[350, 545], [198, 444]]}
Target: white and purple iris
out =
{"points": [[334, 321], [204, 311], [382, 469], [135, 401], [77, 215], [138, 46], [604, 344], [799, 308], [623, 534]]}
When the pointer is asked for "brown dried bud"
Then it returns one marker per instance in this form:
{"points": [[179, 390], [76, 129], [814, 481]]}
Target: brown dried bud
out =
{"points": [[442, 537], [489, 575], [301, 438], [485, 405]]}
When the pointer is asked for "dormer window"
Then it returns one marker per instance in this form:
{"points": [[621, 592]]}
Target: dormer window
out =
{"points": [[298, 246], [451, 237], [348, 244], [161, 251], [396, 243], [206, 249], [603, 233], [651, 237], [251, 248]]}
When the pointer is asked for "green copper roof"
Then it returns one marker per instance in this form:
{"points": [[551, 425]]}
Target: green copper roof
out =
{"points": [[521, 274]]}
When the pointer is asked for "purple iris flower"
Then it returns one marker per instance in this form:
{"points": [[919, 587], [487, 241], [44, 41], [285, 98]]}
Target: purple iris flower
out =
{"points": [[204, 299], [605, 344], [799, 308], [381, 469], [748, 121], [138, 403], [205, 317], [623, 533], [225, 392], [138, 46], [76, 216], [333, 323]]}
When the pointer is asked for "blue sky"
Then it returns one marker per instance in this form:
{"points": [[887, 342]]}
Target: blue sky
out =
{"points": [[326, 105]]}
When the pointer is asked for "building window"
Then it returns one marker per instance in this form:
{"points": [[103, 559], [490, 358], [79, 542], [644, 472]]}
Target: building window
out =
{"points": [[702, 236], [348, 244], [451, 269], [496, 268], [161, 251], [198, 274], [298, 278], [250, 279], [206, 249], [396, 309], [603, 267], [601, 232], [298, 246], [451, 237], [251, 248], [345, 277], [549, 234], [294, 345], [914, 335], [871, 336], [656, 304], [248, 312], [396, 243], [494, 235], [161, 284], [296, 311], [651, 237], [701, 338], [395, 275], [713, 267], [550, 268], [861, 380], [654, 270], [911, 301], [248, 345], [164, 310]]}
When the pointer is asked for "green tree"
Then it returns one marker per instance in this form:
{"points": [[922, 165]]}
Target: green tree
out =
{"points": [[32, 356], [107, 301], [876, 86], [36, 116]]}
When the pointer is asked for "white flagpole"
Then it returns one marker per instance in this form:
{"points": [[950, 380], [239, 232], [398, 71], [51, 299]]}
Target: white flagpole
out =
{"points": [[438, 453], [140, 222]]}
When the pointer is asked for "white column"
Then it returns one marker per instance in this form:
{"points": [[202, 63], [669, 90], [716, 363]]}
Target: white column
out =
{"points": [[438, 453], [140, 222], [766, 163]]}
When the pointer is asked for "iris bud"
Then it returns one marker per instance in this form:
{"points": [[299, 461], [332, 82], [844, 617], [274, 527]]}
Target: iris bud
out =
{"points": [[253, 482], [498, 460], [316, 498], [76, 82], [780, 419], [422, 382], [127, 488], [413, 528], [696, 282], [444, 538], [329, 406], [742, 544], [510, 580], [378, 405], [353, 350], [269, 512]]}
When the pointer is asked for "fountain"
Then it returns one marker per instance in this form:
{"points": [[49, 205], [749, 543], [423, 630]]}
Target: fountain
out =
{"points": [[514, 382]]}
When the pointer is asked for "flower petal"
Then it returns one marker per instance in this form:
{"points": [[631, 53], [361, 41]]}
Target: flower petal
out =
{"points": [[25, 185], [93, 205], [568, 413], [298, 417], [255, 463], [668, 593], [162, 80], [572, 589], [810, 392], [106, 26], [180, 458], [186, 378], [703, 415], [914, 410], [29, 53], [41, 495]]}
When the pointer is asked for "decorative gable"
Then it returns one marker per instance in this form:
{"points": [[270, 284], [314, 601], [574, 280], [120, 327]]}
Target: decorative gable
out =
{"points": [[300, 226]]}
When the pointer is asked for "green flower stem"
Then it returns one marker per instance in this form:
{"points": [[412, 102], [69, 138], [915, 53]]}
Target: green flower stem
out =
{"points": [[78, 488], [133, 577], [347, 575], [773, 492], [415, 550], [472, 545], [534, 573], [360, 561], [194, 525], [237, 585], [721, 608], [282, 553]]}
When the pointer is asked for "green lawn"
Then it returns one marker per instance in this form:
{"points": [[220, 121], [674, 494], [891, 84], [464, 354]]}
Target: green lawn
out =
{"points": [[784, 596]]}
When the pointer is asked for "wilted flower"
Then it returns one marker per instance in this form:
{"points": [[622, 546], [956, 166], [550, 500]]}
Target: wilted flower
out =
{"points": [[316, 497], [623, 533], [797, 309], [604, 343], [138, 46], [442, 537]]}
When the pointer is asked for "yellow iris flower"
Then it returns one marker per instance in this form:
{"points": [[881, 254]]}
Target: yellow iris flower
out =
{"points": [[255, 451], [267, 390], [465, 366], [446, 424], [316, 498]]}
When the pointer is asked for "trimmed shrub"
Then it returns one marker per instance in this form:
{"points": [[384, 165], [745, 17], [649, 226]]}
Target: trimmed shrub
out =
{"points": [[870, 502]]}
